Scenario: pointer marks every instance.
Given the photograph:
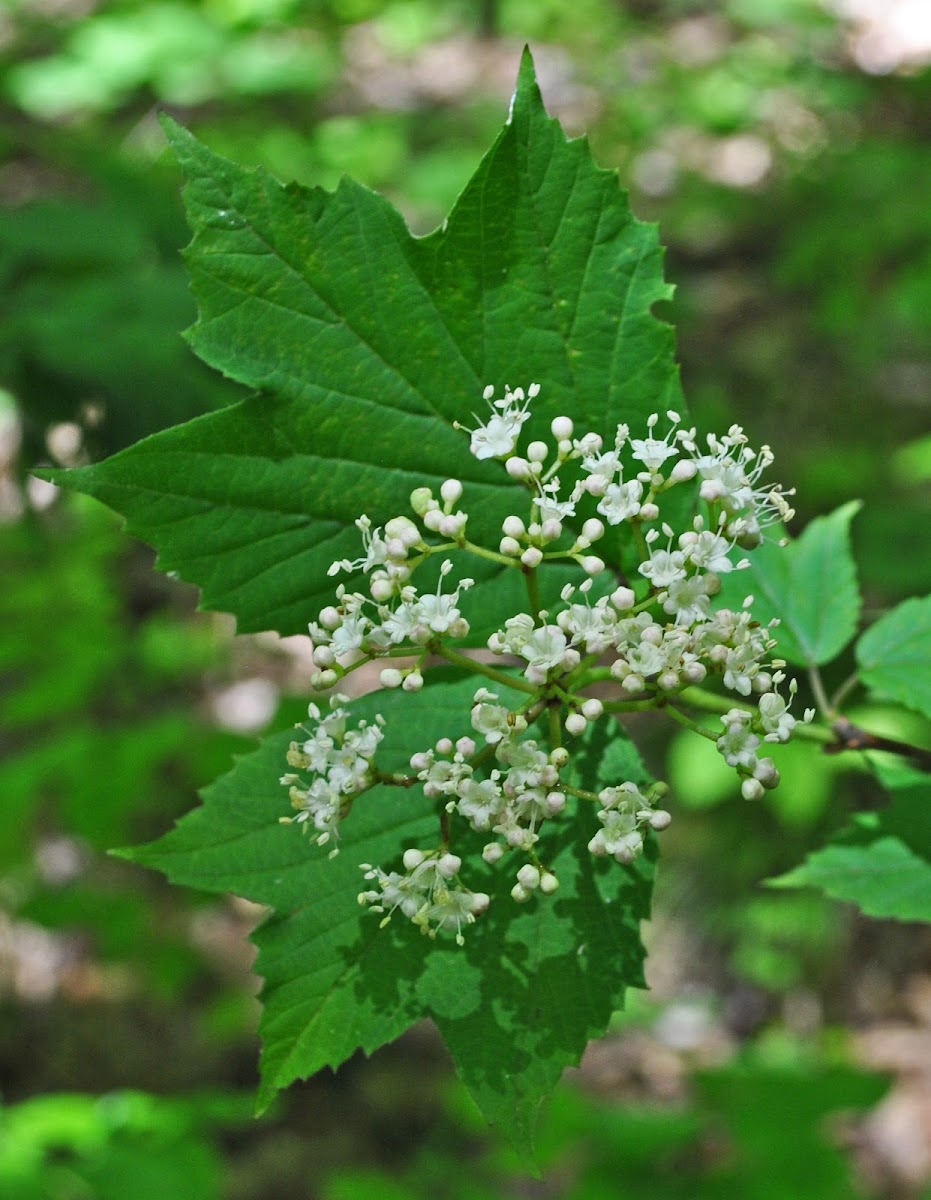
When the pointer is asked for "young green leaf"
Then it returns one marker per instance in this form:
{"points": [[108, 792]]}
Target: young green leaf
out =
{"points": [[883, 862], [895, 655], [365, 344], [810, 585]]}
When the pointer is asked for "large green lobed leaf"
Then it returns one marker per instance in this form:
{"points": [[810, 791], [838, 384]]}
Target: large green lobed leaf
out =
{"points": [[364, 344], [515, 1005]]}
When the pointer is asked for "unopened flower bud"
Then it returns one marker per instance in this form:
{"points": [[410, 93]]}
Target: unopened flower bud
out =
{"points": [[412, 682], [382, 588], [324, 656], [593, 565], [576, 724], [391, 678], [451, 490], [517, 468], [561, 428], [649, 512], [592, 709], [513, 527], [510, 547], [593, 529], [548, 883], [412, 859], [493, 853], [555, 803], [552, 529], [683, 471], [537, 451], [623, 598], [752, 789], [559, 757], [660, 820], [449, 865], [528, 877], [532, 557], [324, 680], [422, 501], [330, 618], [520, 894]]}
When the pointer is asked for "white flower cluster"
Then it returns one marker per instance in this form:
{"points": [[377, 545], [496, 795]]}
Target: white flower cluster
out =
{"points": [[367, 625], [514, 799], [624, 814], [426, 893], [340, 760], [744, 731], [658, 631]]}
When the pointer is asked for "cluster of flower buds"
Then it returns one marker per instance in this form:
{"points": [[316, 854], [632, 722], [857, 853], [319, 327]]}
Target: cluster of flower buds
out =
{"points": [[659, 631]]}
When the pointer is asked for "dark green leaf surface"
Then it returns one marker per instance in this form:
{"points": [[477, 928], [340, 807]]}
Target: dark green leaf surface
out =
{"points": [[810, 585], [515, 1005], [895, 655], [365, 344]]}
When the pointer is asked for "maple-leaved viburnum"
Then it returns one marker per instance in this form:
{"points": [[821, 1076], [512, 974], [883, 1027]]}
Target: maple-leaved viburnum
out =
{"points": [[506, 781]]}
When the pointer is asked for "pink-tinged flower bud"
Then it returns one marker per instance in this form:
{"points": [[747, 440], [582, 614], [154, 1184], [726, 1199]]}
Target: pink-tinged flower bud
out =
{"points": [[532, 557], [649, 512], [510, 547], [330, 618], [592, 709]]}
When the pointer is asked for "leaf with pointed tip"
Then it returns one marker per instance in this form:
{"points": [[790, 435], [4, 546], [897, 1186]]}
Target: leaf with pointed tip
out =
{"points": [[365, 345], [810, 584]]}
